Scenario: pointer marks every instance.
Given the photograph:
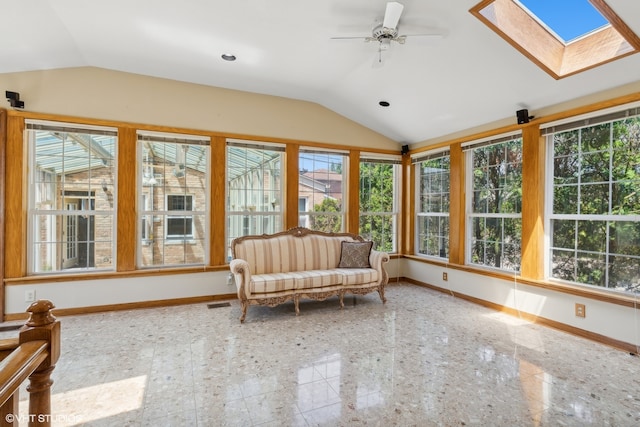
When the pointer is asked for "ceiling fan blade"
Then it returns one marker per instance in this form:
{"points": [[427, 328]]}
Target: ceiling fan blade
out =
{"points": [[349, 38], [364, 39], [434, 34], [392, 14]]}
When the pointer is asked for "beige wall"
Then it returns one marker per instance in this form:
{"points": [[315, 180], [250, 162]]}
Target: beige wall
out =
{"points": [[112, 95], [541, 113]]}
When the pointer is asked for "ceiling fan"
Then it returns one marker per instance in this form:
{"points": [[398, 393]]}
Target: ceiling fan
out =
{"points": [[385, 30]]}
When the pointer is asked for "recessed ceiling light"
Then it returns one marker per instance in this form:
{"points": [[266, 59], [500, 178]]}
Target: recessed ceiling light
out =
{"points": [[228, 57], [384, 103]]}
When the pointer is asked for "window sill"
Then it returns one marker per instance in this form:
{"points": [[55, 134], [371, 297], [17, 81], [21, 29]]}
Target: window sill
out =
{"points": [[604, 295], [172, 242], [100, 275]]}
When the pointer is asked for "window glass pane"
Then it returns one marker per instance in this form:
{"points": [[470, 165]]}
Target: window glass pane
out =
{"points": [[172, 207], [179, 227], [179, 202], [496, 242], [566, 169], [563, 265], [565, 200], [598, 244], [565, 143], [71, 205], [494, 218], [595, 138], [592, 236], [432, 221], [591, 268], [178, 249], [433, 236], [378, 202], [594, 167], [87, 243], [624, 238], [321, 186], [254, 191], [594, 199], [512, 230], [564, 233], [624, 273]]}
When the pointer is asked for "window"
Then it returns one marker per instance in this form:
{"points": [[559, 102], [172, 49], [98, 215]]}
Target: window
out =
{"points": [[173, 185], [379, 191], [432, 204], [254, 189], [179, 226], [494, 200], [532, 27], [321, 186], [567, 20], [71, 197], [594, 206]]}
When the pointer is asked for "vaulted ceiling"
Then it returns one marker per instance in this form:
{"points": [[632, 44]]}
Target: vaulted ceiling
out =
{"points": [[435, 85]]}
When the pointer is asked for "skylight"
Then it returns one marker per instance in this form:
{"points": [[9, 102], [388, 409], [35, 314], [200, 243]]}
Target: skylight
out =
{"points": [[568, 19], [561, 37]]}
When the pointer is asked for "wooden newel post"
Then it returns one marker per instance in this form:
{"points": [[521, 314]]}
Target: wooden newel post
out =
{"points": [[42, 325]]}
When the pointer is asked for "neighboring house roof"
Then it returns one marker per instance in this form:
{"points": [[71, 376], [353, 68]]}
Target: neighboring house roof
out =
{"points": [[323, 175], [311, 183]]}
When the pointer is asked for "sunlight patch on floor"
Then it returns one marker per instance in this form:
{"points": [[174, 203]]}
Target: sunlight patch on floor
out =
{"points": [[87, 404]]}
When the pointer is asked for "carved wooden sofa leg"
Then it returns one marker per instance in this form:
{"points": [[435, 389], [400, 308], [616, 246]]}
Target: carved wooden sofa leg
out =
{"points": [[296, 302], [244, 305], [381, 293], [342, 300]]}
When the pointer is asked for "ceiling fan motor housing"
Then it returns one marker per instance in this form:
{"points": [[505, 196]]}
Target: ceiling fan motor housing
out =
{"points": [[381, 33]]}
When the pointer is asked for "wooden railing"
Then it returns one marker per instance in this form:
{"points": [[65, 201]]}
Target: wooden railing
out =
{"points": [[32, 355]]}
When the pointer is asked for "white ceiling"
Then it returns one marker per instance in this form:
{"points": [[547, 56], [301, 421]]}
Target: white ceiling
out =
{"points": [[436, 87]]}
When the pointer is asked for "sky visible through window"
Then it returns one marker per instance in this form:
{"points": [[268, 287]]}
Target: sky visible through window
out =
{"points": [[569, 19]]}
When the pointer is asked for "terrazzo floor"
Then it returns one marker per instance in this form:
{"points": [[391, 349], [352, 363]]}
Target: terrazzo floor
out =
{"points": [[423, 359]]}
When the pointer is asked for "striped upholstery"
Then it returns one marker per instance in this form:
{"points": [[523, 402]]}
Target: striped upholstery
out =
{"points": [[316, 278], [285, 253], [357, 276], [276, 282]]}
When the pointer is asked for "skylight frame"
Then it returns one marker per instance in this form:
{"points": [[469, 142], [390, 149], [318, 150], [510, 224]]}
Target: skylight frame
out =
{"points": [[541, 45]]}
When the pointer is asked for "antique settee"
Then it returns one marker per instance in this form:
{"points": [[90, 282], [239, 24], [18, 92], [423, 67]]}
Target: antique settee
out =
{"points": [[270, 269]]}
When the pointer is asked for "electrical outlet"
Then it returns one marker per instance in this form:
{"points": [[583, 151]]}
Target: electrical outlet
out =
{"points": [[29, 295], [445, 276], [581, 310]]}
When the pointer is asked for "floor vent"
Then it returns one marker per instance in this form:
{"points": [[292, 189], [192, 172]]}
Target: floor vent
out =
{"points": [[219, 304]]}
